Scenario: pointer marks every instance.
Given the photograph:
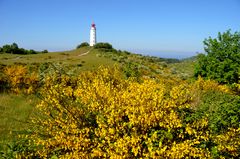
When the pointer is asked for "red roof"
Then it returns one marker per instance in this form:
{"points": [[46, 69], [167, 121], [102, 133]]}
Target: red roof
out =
{"points": [[93, 25]]}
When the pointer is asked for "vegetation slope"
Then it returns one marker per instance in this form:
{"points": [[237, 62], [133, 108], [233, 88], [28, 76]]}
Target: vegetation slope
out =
{"points": [[106, 103]]}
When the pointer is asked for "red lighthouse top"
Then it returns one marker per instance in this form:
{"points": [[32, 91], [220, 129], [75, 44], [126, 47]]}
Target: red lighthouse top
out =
{"points": [[93, 25]]}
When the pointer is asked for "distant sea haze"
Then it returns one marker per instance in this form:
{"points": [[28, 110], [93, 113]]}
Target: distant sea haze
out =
{"points": [[172, 54], [166, 54]]}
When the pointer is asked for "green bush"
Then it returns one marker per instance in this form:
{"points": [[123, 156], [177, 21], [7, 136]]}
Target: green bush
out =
{"points": [[84, 44], [131, 70], [222, 59], [221, 109], [105, 46], [7, 49], [45, 51], [14, 49]]}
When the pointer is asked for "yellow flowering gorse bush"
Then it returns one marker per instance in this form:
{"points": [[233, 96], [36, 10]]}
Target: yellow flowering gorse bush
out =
{"points": [[20, 79], [101, 115]]}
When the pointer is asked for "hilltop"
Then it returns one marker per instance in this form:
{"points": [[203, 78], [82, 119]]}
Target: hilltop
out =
{"points": [[84, 55], [88, 58], [31, 71]]}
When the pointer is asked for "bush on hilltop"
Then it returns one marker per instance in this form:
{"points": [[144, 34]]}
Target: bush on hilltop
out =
{"points": [[104, 46], [84, 44]]}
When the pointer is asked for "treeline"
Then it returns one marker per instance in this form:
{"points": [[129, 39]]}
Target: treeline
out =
{"points": [[14, 49]]}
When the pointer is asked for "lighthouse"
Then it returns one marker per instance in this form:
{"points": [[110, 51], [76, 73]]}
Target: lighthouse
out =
{"points": [[93, 35]]}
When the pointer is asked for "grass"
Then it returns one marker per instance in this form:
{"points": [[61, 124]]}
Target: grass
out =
{"points": [[40, 58], [74, 57], [183, 68], [92, 60], [15, 111]]}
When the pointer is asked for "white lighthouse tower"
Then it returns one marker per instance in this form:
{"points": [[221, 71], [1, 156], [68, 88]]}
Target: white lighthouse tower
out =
{"points": [[93, 35]]}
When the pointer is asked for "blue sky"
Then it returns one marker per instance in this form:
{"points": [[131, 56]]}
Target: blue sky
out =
{"points": [[166, 28]]}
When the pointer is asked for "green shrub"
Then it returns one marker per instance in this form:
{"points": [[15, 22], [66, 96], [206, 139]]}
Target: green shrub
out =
{"points": [[222, 59], [45, 51], [14, 49], [84, 44], [131, 70], [103, 45], [221, 109]]}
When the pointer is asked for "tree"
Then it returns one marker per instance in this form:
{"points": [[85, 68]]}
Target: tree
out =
{"points": [[22, 51], [32, 52], [222, 59], [45, 51], [84, 44], [14, 48], [7, 48]]}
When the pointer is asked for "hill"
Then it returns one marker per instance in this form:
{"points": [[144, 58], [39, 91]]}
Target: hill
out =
{"points": [[105, 103], [16, 109], [87, 58]]}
